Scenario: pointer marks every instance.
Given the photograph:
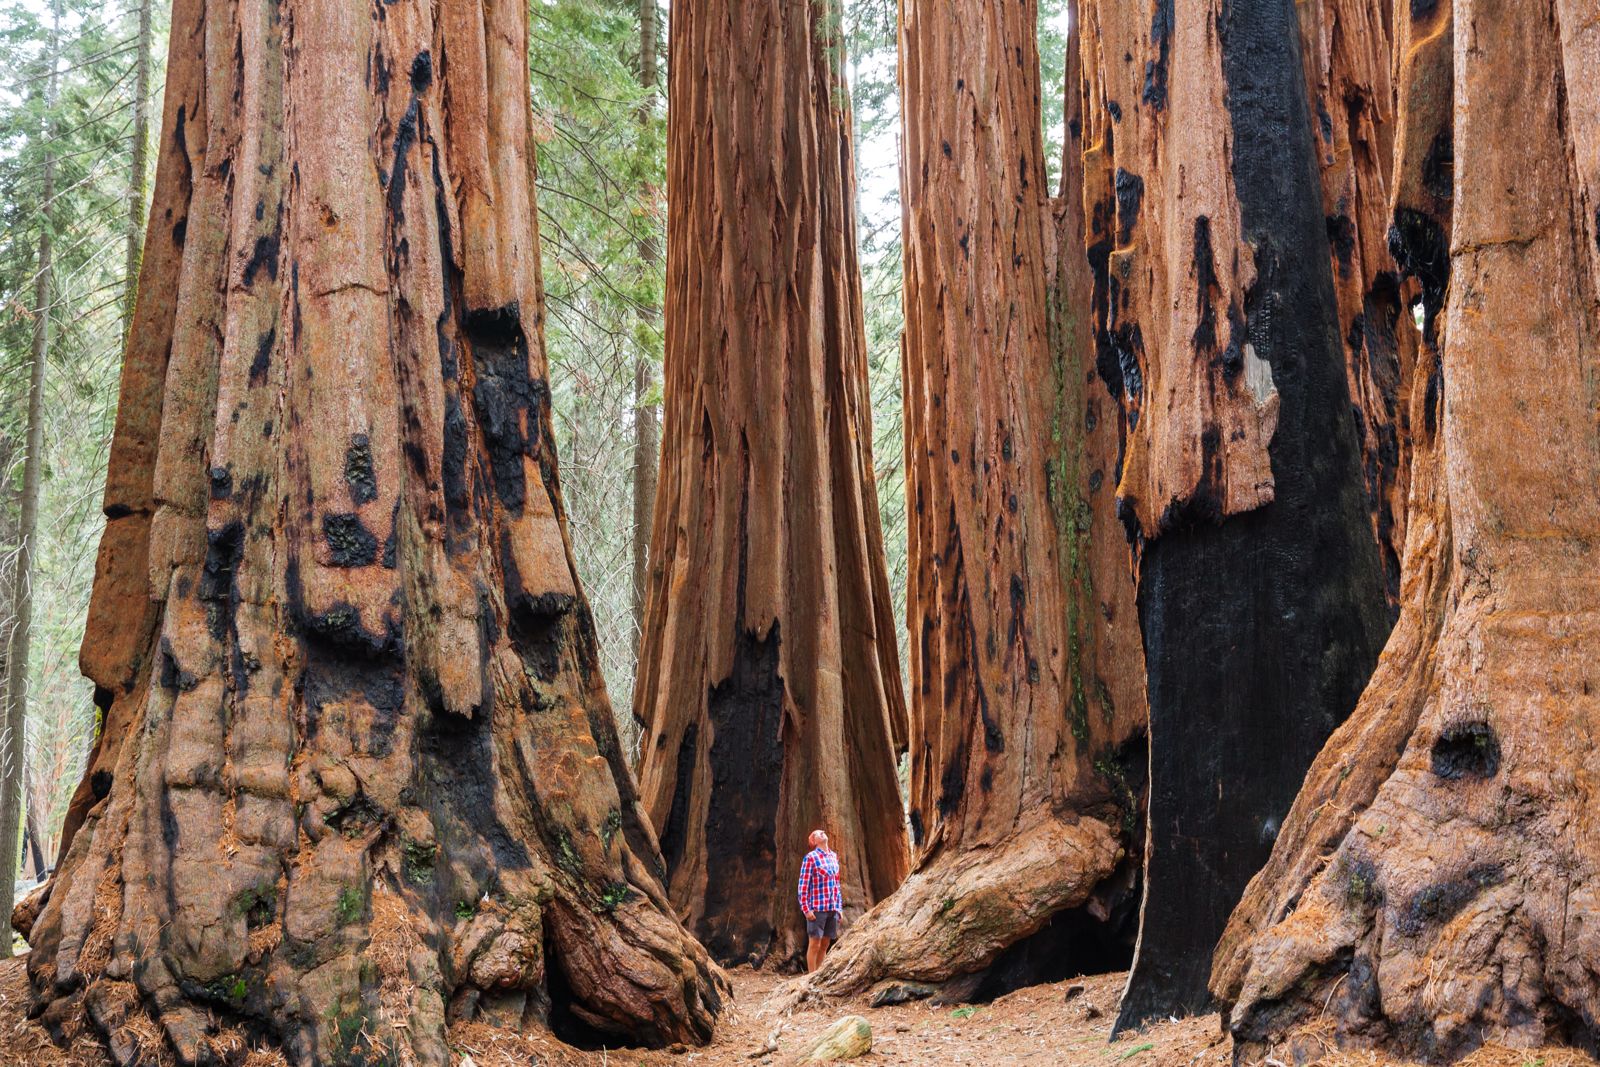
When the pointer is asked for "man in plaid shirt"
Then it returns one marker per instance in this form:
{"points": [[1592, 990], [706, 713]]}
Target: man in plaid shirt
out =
{"points": [[820, 898]]}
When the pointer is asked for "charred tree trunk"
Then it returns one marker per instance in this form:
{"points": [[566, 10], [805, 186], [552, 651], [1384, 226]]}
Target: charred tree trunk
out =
{"points": [[1260, 592], [1346, 51], [358, 774], [1433, 885], [769, 689], [1027, 701]]}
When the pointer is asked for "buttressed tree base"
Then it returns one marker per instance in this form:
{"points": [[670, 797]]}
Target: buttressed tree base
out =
{"points": [[358, 775], [1435, 886]]}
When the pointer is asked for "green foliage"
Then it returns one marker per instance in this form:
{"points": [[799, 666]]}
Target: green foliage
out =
{"points": [[420, 859], [614, 896], [350, 906], [966, 1012], [465, 910]]}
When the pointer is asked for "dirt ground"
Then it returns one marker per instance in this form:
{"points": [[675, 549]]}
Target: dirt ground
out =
{"points": [[1060, 1025]]}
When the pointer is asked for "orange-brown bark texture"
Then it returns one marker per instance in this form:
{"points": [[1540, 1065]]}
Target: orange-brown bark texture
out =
{"points": [[769, 692], [358, 775], [1027, 701], [1240, 485], [1434, 886]]}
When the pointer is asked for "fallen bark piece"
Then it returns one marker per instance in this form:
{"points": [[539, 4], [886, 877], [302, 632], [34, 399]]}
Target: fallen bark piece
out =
{"points": [[885, 994], [844, 1040]]}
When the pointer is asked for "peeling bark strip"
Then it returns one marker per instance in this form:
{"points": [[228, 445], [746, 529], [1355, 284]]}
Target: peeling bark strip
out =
{"points": [[1435, 881], [358, 775], [769, 691], [1260, 595], [1027, 689]]}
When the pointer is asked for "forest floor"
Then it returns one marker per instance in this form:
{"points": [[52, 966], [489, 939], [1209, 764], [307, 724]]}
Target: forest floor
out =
{"points": [[1061, 1025]]}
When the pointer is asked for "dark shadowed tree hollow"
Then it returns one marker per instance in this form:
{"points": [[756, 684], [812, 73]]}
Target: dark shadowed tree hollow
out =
{"points": [[768, 692], [1260, 590], [1435, 885], [358, 774], [1027, 706]]}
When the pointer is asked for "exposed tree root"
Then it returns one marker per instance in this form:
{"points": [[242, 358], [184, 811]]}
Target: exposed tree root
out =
{"points": [[957, 914]]}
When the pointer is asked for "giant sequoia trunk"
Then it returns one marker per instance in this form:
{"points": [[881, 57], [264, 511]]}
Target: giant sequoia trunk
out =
{"points": [[1260, 593], [358, 774], [1028, 697], [1435, 884], [769, 688]]}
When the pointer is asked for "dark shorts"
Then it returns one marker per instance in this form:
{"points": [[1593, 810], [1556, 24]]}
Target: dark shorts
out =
{"points": [[826, 924]]}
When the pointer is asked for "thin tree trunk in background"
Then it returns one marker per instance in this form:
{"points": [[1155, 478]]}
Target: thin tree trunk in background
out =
{"points": [[12, 743], [769, 688], [358, 774], [646, 430], [1025, 768], [138, 191], [1261, 596]]}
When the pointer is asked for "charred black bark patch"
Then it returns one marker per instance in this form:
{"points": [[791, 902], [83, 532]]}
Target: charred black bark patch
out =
{"points": [[745, 711], [263, 257], [1466, 750], [224, 549], [221, 479], [421, 72], [510, 404], [347, 679], [263, 359], [170, 675], [1439, 165], [1259, 632], [1437, 904], [1155, 70], [1205, 279], [1130, 194], [1419, 245], [350, 543], [915, 819], [675, 832], [1342, 241], [358, 473]]}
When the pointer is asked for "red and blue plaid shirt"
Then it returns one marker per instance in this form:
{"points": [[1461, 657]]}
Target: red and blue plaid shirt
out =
{"points": [[819, 882]]}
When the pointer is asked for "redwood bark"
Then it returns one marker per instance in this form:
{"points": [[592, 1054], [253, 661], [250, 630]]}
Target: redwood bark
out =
{"points": [[1027, 686], [358, 774], [1432, 888], [769, 689], [1260, 592]]}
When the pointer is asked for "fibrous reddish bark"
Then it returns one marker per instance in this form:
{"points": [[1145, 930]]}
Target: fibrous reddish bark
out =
{"points": [[1260, 593], [358, 773], [1028, 698], [1435, 883], [769, 689]]}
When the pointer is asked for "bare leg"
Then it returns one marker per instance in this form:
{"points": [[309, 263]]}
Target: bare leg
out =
{"points": [[816, 948]]}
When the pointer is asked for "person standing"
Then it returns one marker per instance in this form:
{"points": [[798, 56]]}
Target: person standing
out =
{"points": [[820, 899]]}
